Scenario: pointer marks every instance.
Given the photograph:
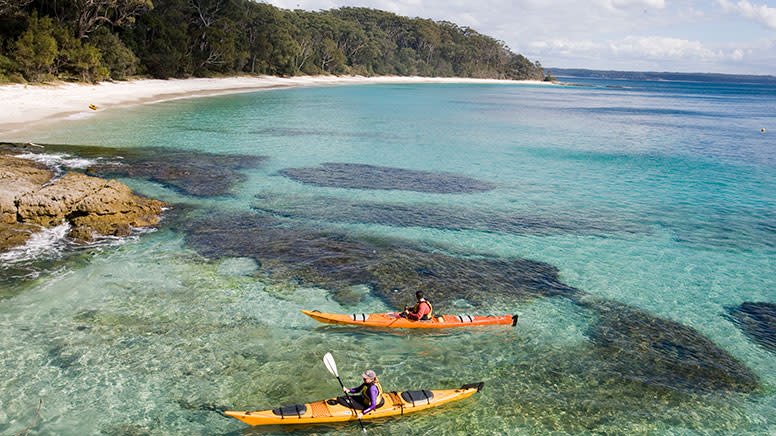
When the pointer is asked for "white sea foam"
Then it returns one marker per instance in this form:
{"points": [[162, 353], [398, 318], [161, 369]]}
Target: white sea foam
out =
{"points": [[52, 242], [48, 242], [58, 160], [111, 241]]}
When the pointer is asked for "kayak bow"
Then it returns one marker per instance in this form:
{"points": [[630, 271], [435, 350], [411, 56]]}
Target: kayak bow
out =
{"points": [[393, 320], [332, 410]]}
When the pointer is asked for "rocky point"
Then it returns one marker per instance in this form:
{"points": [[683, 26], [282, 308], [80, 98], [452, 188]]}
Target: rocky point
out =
{"points": [[31, 197]]}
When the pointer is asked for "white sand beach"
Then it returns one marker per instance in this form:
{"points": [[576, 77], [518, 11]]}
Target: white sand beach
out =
{"points": [[25, 105]]}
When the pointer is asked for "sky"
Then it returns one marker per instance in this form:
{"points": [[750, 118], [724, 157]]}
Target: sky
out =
{"points": [[703, 36]]}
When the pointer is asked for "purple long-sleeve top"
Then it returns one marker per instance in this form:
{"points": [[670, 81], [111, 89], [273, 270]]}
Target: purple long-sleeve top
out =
{"points": [[372, 391]]}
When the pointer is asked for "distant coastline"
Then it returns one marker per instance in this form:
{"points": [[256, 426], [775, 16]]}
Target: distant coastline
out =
{"points": [[658, 76], [30, 104]]}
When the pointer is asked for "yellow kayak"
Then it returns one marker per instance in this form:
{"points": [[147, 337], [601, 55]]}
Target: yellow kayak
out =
{"points": [[336, 410], [393, 320]]}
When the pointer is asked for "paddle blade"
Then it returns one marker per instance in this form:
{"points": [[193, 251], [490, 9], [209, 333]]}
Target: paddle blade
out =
{"points": [[331, 365]]}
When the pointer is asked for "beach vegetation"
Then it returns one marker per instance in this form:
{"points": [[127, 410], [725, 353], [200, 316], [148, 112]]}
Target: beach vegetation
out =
{"points": [[163, 49], [6, 65], [7, 74], [76, 59], [47, 50], [89, 15], [268, 41], [90, 40], [12, 7], [119, 60], [83, 62], [36, 49]]}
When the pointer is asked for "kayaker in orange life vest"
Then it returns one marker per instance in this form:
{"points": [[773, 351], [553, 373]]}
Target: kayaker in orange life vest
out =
{"points": [[421, 311], [371, 393]]}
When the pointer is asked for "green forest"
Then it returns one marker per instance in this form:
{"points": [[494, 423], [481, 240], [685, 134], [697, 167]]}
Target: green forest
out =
{"points": [[93, 40]]}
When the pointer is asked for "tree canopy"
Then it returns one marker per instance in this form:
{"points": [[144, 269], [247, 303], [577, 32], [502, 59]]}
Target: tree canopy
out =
{"points": [[92, 40]]}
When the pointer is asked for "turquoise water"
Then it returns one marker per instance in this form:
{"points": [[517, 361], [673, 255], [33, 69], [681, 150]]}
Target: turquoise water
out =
{"points": [[661, 196]]}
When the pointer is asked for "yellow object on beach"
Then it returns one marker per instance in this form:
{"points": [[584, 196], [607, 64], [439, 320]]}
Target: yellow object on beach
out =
{"points": [[762, 130], [92, 107]]}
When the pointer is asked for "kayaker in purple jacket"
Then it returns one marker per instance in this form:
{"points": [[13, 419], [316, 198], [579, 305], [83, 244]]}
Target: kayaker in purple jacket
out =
{"points": [[371, 391]]}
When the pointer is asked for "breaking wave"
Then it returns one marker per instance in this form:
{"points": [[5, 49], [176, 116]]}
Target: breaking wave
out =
{"points": [[58, 160], [53, 243], [49, 242]]}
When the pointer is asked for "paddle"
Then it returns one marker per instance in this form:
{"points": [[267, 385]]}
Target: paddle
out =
{"points": [[331, 365]]}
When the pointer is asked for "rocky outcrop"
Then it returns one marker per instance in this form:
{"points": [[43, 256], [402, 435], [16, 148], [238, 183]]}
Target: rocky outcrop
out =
{"points": [[659, 352], [112, 209], [18, 177], [30, 199], [49, 205], [15, 234]]}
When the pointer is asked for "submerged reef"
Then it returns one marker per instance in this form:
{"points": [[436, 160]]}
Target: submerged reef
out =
{"points": [[757, 321], [715, 227], [334, 209], [639, 347], [194, 173], [663, 353], [577, 389], [337, 261], [361, 176]]}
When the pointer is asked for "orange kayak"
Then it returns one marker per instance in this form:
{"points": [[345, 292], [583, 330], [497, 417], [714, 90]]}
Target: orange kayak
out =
{"points": [[393, 320], [333, 409]]}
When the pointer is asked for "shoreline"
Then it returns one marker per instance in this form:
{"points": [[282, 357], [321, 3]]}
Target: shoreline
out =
{"points": [[28, 105]]}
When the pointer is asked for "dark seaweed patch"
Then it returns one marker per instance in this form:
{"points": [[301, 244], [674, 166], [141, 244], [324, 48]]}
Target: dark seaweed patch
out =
{"points": [[336, 261], [757, 321], [739, 230], [663, 353], [639, 348], [194, 173], [62, 357], [434, 216], [592, 395], [360, 176], [203, 407], [191, 172]]}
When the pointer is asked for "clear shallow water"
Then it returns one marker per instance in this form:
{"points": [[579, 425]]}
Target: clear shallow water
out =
{"points": [[660, 196]]}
